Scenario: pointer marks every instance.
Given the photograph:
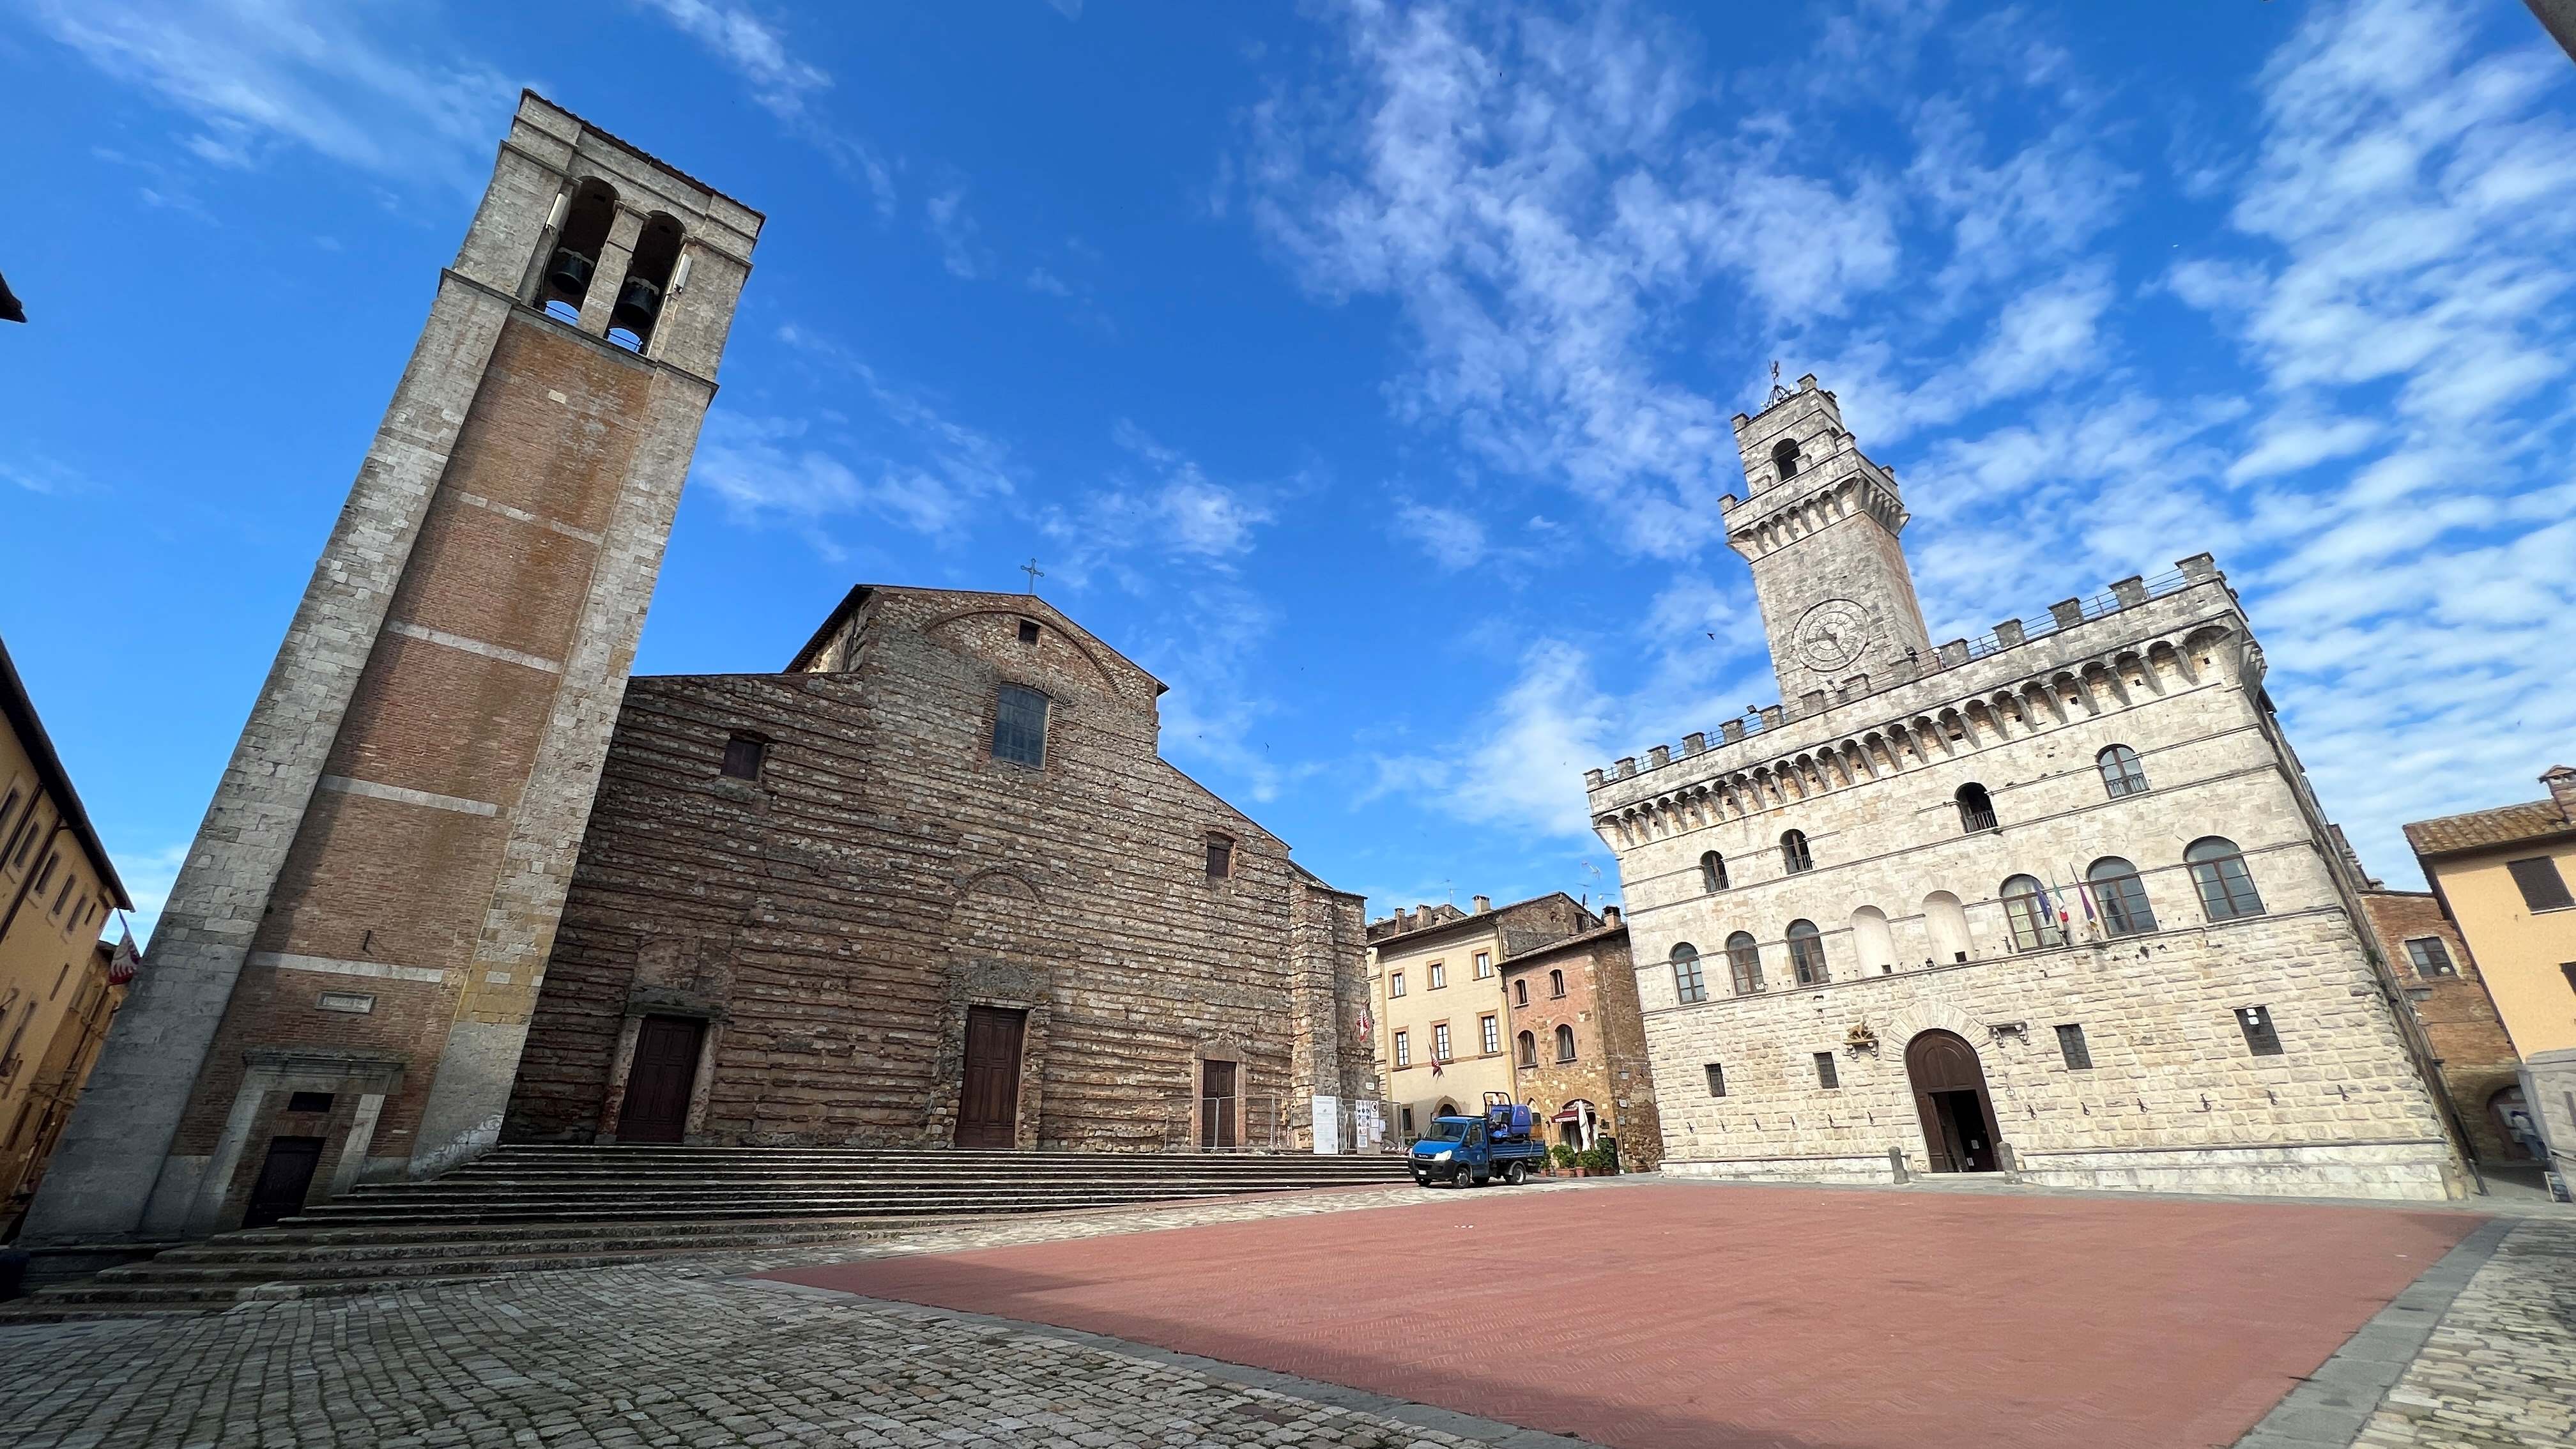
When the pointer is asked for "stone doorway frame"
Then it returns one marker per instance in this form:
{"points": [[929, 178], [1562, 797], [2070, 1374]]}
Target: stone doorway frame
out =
{"points": [[655, 1001], [358, 1081]]}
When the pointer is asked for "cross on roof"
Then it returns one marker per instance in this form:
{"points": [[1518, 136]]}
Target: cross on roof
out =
{"points": [[1034, 572]]}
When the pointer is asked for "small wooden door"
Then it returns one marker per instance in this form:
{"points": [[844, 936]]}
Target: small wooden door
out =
{"points": [[660, 1079], [988, 1099], [1950, 1097], [283, 1180], [1216, 1104]]}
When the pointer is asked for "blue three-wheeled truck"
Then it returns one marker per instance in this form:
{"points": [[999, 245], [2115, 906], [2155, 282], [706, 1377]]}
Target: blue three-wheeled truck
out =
{"points": [[1473, 1151]]}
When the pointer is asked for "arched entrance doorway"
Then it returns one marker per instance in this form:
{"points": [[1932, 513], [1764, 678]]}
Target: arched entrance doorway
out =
{"points": [[2506, 1107], [1950, 1095]]}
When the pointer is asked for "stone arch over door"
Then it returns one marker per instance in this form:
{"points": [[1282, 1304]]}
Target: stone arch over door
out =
{"points": [[1951, 1100]]}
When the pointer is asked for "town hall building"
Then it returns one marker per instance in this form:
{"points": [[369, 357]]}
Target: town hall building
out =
{"points": [[2057, 902]]}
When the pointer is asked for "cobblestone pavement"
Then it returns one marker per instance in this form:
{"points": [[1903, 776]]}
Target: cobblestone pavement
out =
{"points": [[677, 1355], [2500, 1368], [690, 1354]]}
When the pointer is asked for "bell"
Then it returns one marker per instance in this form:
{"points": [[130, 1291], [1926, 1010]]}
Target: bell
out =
{"points": [[638, 303], [569, 273]]}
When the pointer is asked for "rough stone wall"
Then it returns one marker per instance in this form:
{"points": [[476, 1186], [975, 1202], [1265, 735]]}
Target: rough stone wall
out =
{"points": [[2477, 1058], [834, 919], [1611, 1068], [2173, 1096]]}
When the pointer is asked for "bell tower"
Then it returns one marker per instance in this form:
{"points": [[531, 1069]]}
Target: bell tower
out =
{"points": [[344, 973], [1819, 529]]}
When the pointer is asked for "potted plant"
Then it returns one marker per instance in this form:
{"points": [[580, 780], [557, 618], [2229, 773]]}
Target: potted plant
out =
{"points": [[1560, 1159], [1597, 1161]]}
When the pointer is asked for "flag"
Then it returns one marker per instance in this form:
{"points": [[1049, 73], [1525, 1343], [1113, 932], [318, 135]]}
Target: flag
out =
{"points": [[1367, 1023], [125, 963]]}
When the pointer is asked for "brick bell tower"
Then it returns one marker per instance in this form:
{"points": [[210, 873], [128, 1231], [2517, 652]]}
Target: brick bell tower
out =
{"points": [[1820, 531], [343, 976]]}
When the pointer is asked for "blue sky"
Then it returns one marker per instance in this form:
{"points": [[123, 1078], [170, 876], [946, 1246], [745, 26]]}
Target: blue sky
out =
{"points": [[1361, 370]]}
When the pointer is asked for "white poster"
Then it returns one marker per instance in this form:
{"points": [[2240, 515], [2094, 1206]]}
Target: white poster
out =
{"points": [[1328, 1126]]}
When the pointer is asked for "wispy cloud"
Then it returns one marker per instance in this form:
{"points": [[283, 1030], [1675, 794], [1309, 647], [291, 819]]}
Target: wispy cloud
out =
{"points": [[253, 76], [781, 82]]}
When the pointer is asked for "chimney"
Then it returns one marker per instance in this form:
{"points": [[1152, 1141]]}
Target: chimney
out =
{"points": [[1609, 915], [2561, 780], [1484, 904]]}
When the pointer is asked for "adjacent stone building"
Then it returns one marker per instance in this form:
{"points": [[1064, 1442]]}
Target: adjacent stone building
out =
{"points": [[1578, 1044], [343, 974], [2507, 877], [935, 884], [1436, 996], [2058, 900], [2447, 995]]}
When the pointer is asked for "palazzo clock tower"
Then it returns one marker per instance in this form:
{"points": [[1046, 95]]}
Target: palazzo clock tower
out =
{"points": [[1819, 529]]}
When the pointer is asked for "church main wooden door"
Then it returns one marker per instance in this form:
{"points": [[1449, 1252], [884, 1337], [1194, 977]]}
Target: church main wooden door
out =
{"points": [[1950, 1096], [988, 1099], [658, 1083]]}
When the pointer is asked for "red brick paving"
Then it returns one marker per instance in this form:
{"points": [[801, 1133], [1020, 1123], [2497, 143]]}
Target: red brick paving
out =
{"points": [[1651, 1316]]}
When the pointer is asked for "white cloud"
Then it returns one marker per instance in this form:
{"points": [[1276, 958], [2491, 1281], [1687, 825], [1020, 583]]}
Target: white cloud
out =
{"points": [[1455, 539], [955, 229], [1173, 510], [257, 74], [781, 82]]}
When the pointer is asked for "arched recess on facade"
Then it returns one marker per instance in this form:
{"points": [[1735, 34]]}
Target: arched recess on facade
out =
{"points": [[1081, 649], [1945, 922]]}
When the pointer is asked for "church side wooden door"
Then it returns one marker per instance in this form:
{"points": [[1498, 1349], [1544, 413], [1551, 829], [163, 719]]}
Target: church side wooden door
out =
{"points": [[659, 1081], [1216, 1104], [988, 1099]]}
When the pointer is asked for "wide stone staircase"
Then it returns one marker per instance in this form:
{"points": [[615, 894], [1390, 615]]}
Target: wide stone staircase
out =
{"points": [[525, 1209]]}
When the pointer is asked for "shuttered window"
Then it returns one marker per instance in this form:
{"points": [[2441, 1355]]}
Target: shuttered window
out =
{"points": [[2543, 889]]}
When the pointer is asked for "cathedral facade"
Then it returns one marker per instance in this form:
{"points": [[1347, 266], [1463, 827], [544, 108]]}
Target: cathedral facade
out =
{"points": [[2058, 902], [934, 884]]}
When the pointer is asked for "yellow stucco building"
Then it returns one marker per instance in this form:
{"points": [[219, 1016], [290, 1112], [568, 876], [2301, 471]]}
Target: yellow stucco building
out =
{"points": [[1436, 998], [2507, 876], [57, 987]]}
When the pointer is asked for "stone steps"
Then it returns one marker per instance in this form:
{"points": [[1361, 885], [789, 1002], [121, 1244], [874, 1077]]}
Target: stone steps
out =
{"points": [[535, 1209]]}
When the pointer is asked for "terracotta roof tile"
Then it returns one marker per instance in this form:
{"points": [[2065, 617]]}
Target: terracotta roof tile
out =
{"points": [[2484, 829]]}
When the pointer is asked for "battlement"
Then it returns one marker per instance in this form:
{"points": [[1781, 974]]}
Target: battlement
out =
{"points": [[1761, 728]]}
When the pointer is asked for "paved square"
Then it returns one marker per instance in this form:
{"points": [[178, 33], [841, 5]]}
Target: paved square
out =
{"points": [[1656, 1316]]}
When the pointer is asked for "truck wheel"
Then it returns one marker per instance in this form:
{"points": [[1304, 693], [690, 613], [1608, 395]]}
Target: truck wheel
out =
{"points": [[1514, 1174]]}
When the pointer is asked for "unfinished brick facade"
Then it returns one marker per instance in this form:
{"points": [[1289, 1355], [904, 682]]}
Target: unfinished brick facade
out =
{"points": [[343, 973], [834, 921], [1578, 1044]]}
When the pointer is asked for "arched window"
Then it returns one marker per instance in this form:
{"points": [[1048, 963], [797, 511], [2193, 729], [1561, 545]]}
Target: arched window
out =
{"points": [[1688, 984], [1527, 1046], [1784, 456], [1793, 852], [1744, 962], [1712, 873], [2121, 772], [2033, 916], [648, 276], [1945, 920], [1565, 1043], [2226, 886], [575, 259], [1976, 808], [2122, 897], [1872, 941], [1520, 992], [1807, 953], [1556, 983]]}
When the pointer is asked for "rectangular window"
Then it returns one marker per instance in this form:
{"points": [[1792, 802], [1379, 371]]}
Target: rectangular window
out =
{"points": [[2542, 888], [308, 1102], [2430, 956], [1440, 1043], [1689, 984], [1019, 726], [1408, 1121], [1493, 1034], [1825, 1075], [1404, 1052], [2568, 970], [1220, 857], [1395, 983], [743, 756], [1439, 975], [1484, 965], [2260, 1038], [27, 836], [1028, 631], [45, 873], [9, 810], [1716, 1079], [2070, 1045]]}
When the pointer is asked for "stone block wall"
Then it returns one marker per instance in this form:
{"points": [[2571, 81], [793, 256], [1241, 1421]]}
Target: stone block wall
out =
{"points": [[835, 918]]}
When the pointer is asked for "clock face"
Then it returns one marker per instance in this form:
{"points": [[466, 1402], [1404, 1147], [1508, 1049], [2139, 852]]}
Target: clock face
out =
{"points": [[1833, 634]]}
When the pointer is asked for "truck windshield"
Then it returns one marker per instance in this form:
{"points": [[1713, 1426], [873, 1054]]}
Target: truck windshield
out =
{"points": [[1446, 1131]]}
